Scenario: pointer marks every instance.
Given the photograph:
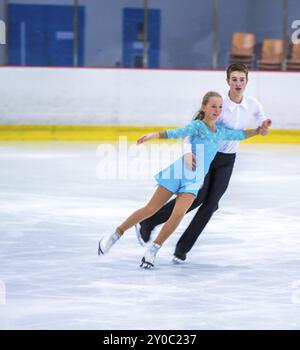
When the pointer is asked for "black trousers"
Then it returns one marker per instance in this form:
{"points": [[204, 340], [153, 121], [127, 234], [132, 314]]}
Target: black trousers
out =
{"points": [[215, 184]]}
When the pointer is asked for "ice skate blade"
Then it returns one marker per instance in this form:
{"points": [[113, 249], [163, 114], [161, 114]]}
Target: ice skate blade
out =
{"points": [[100, 252], [146, 264], [177, 261]]}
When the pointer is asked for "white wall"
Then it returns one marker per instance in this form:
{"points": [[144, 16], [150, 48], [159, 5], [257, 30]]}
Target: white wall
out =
{"points": [[91, 96]]}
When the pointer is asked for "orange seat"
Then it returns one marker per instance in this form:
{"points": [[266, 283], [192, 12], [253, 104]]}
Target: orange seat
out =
{"points": [[271, 55], [242, 48], [294, 62]]}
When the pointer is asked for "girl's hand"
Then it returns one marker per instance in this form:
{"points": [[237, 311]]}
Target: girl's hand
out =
{"points": [[144, 138]]}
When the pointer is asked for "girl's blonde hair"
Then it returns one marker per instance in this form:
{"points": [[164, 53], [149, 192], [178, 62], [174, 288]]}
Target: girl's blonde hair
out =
{"points": [[200, 114]]}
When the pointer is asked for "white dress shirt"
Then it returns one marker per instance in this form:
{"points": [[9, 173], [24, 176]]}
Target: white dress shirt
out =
{"points": [[242, 115]]}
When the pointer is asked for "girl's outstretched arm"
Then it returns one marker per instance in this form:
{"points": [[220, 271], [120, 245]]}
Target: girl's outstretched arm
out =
{"points": [[154, 135], [237, 135], [261, 130], [189, 130]]}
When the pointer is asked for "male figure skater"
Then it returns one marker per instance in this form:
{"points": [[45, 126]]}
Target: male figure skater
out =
{"points": [[239, 111]]}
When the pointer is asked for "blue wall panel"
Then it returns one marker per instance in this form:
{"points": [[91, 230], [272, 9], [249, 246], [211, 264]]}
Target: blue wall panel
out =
{"points": [[43, 35], [132, 37]]}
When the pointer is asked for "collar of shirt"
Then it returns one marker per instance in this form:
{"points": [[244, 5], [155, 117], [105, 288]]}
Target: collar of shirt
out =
{"points": [[232, 105]]}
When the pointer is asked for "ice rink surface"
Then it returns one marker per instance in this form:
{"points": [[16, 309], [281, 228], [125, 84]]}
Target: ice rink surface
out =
{"points": [[243, 272]]}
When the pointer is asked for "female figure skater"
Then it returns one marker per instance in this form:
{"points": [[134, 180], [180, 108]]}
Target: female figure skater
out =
{"points": [[202, 131]]}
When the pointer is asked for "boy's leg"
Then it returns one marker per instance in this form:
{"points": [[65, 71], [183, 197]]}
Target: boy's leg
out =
{"points": [[219, 180]]}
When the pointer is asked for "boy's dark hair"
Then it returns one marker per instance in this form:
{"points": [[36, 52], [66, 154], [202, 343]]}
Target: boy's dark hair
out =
{"points": [[240, 67]]}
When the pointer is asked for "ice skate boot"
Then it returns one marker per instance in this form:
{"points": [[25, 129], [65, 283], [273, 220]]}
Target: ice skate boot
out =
{"points": [[107, 242], [178, 257], [149, 256]]}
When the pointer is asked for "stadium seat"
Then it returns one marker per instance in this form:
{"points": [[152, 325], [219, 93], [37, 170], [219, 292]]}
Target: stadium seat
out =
{"points": [[271, 55], [242, 48], [294, 62]]}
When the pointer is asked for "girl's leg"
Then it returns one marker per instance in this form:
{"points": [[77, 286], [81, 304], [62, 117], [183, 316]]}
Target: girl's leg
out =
{"points": [[182, 204], [159, 198]]}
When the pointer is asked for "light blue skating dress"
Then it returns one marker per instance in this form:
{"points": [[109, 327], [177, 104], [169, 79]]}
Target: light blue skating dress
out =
{"points": [[205, 144]]}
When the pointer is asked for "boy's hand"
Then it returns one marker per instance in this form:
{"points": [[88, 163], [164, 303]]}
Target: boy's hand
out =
{"points": [[264, 128], [190, 161]]}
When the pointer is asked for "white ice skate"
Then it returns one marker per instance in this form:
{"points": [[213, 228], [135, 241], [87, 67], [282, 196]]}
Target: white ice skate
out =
{"points": [[177, 260], [149, 256], [178, 256], [107, 242]]}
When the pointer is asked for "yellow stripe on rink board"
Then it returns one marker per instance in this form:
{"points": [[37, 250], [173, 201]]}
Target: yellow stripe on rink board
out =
{"points": [[73, 132], [277, 136], [112, 133]]}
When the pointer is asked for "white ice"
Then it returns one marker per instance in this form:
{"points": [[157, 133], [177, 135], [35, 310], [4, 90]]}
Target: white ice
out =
{"points": [[243, 272]]}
